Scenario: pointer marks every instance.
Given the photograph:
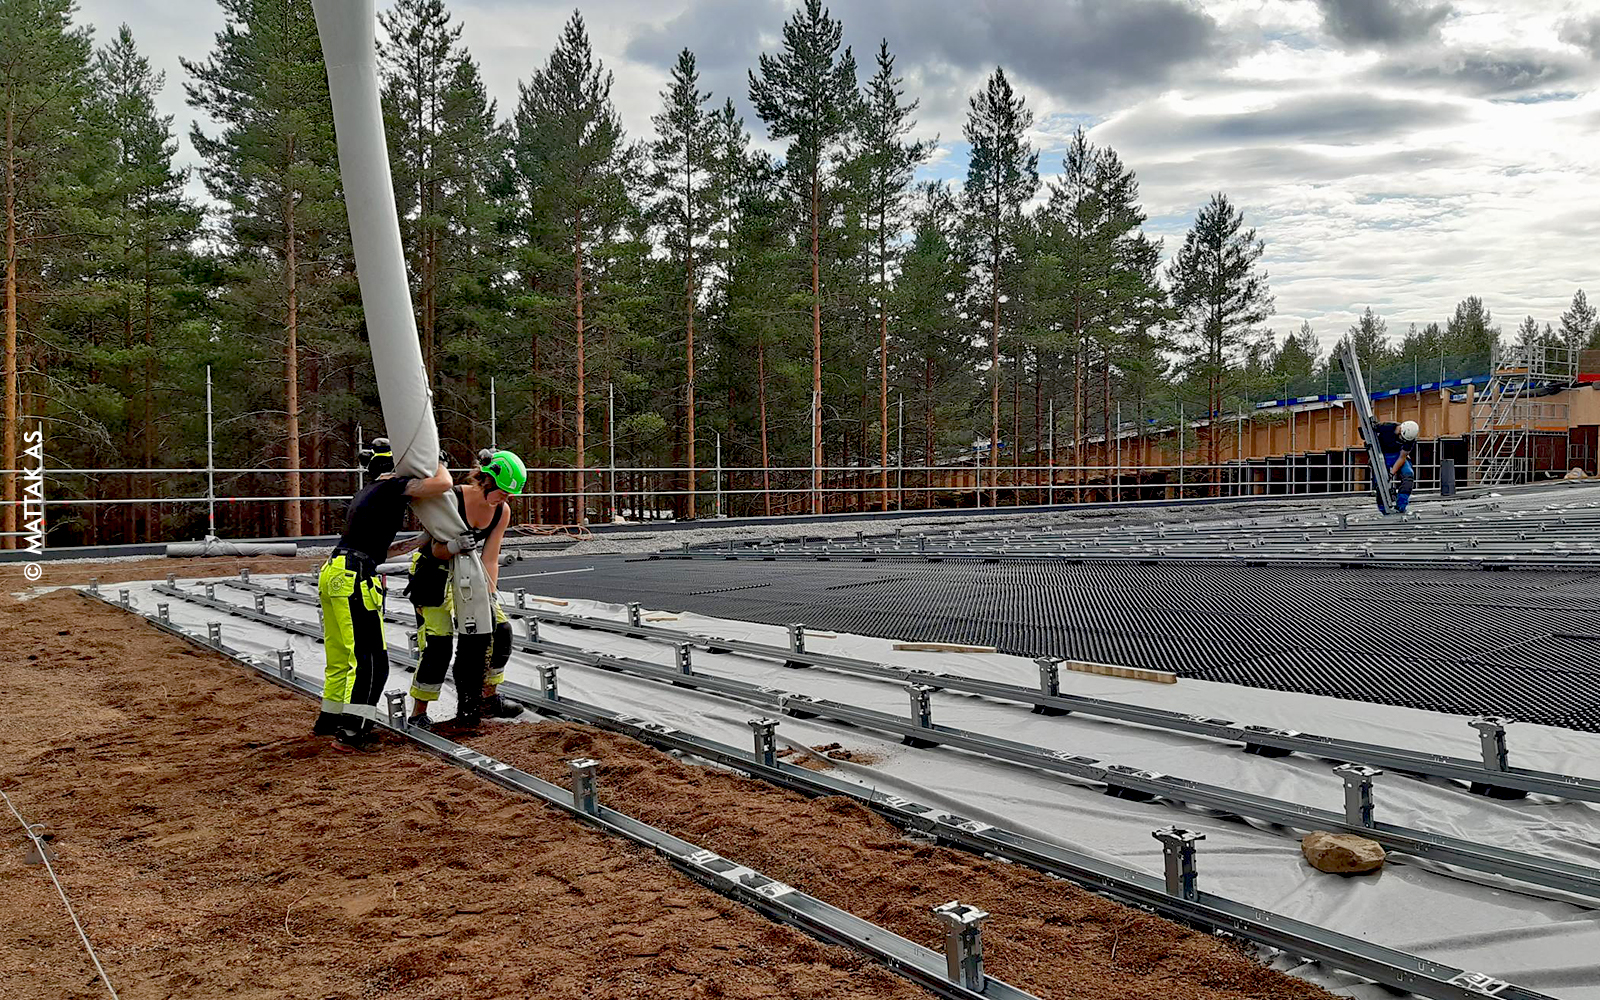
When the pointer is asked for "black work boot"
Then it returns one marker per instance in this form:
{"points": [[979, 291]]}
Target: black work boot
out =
{"points": [[496, 707]]}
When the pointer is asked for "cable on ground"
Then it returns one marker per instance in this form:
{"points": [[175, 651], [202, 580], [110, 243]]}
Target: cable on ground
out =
{"points": [[44, 856]]}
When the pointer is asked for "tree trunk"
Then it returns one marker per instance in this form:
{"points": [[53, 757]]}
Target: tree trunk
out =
{"points": [[1077, 399], [761, 396], [689, 303], [927, 433], [994, 374], [816, 341], [314, 439], [8, 456], [148, 431], [579, 404], [291, 363], [883, 358]]}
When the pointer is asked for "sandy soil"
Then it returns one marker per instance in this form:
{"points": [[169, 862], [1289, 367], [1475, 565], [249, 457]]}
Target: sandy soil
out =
{"points": [[212, 848], [1044, 935], [62, 574]]}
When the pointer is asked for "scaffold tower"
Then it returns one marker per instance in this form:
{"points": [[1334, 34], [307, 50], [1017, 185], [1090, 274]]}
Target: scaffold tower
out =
{"points": [[1510, 409]]}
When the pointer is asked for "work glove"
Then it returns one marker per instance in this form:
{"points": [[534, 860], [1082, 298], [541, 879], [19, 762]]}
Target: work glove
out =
{"points": [[463, 543]]}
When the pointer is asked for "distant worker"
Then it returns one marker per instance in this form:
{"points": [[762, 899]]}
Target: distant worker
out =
{"points": [[1398, 442], [480, 658], [351, 594]]}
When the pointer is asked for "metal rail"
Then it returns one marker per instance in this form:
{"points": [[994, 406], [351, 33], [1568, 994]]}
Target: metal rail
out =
{"points": [[777, 901], [1189, 905], [1118, 779], [1491, 775]]}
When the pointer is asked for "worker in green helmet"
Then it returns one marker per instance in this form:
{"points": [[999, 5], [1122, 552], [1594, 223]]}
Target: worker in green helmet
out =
{"points": [[479, 657]]}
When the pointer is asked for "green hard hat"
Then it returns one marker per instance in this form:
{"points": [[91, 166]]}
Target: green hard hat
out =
{"points": [[507, 471]]}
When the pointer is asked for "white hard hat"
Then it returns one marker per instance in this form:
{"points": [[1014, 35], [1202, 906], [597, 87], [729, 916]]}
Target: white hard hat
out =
{"points": [[1408, 430]]}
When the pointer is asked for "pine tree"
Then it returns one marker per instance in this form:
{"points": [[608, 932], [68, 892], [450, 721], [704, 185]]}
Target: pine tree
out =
{"points": [[1294, 362], [681, 177], [1580, 323], [1002, 174], [806, 93], [1471, 333], [44, 86], [1369, 337], [889, 161], [142, 254], [936, 356], [274, 168], [1221, 295], [569, 152]]}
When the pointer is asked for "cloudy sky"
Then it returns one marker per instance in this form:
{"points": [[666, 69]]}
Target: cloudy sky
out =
{"points": [[1400, 154]]}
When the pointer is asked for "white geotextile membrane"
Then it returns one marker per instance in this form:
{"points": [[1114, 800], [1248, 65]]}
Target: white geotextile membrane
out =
{"points": [[1463, 919]]}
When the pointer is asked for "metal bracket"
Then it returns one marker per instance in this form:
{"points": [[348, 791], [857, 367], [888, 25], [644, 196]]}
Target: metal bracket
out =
{"points": [[211, 591], [37, 851], [547, 680], [763, 729], [921, 714], [635, 614], [684, 656], [583, 784], [1049, 676], [286, 664], [214, 634], [172, 579], [396, 704], [163, 614], [533, 629], [1177, 851], [413, 646], [94, 584], [1357, 792], [294, 585], [797, 644], [1492, 739], [261, 603], [963, 943], [123, 598], [1477, 982]]}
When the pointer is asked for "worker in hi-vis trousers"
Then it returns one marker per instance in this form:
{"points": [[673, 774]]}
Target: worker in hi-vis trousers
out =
{"points": [[480, 658], [351, 595]]}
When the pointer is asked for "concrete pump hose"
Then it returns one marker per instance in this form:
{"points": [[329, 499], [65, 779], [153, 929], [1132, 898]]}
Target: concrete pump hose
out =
{"points": [[347, 29]]}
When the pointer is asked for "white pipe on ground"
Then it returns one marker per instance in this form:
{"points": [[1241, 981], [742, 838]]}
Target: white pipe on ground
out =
{"points": [[218, 547], [347, 29]]}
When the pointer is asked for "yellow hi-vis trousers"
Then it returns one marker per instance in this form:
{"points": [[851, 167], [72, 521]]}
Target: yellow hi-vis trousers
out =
{"points": [[357, 657]]}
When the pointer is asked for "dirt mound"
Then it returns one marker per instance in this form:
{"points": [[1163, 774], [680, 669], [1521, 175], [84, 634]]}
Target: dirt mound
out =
{"points": [[1044, 935], [213, 848]]}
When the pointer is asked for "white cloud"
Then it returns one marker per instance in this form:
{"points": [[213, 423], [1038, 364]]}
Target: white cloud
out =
{"points": [[1400, 154]]}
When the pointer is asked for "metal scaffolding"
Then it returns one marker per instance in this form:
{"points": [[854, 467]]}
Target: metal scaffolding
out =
{"points": [[1508, 412]]}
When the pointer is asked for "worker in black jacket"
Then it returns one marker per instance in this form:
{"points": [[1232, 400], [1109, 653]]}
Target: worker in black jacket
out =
{"points": [[1398, 442], [351, 595]]}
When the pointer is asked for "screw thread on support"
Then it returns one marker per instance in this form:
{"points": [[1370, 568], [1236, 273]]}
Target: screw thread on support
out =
{"points": [[584, 795], [1177, 854], [1492, 740], [1357, 793], [963, 944], [765, 743]]}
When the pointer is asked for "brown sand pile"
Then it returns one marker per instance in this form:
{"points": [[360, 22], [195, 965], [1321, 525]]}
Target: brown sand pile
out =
{"points": [[212, 849]]}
